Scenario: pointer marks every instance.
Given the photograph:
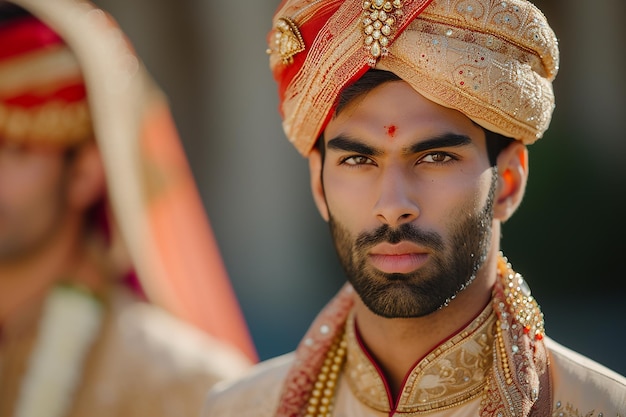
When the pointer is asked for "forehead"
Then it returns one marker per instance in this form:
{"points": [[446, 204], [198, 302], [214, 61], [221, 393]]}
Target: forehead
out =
{"points": [[395, 107]]}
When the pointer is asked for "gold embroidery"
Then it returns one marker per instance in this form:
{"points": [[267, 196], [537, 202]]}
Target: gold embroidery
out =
{"points": [[453, 373], [570, 411]]}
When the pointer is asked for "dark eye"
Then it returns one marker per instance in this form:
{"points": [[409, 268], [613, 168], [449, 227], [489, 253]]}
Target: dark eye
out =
{"points": [[357, 160], [436, 158]]}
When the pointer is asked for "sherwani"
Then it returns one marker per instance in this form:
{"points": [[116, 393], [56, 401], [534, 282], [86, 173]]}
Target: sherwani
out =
{"points": [[449, 382], [143, 362]]}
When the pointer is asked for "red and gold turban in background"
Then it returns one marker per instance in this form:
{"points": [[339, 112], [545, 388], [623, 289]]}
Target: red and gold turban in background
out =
{"points": [[493, 60], [156, 209], [38, 107]]}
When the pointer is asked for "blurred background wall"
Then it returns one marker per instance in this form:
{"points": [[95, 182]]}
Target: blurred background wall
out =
{"points": [[567, 239]]}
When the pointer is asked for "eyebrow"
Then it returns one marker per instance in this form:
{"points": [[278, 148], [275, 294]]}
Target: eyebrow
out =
{"points": [[446, 140], [347, 144]]}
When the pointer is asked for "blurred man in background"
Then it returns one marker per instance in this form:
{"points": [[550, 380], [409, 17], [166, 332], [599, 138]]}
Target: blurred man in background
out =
{"points": [[113, 300]]}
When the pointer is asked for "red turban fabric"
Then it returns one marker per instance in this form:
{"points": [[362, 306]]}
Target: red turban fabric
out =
{"points": [[43, 107]]}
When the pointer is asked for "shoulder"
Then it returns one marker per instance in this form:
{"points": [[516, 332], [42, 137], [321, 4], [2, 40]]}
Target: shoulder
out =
{"points": [[147, 362], [256, 394], [581, 385], [158, 339]]}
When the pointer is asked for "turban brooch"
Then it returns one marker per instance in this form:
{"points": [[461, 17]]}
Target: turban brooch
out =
{"points": [[494, 61]]}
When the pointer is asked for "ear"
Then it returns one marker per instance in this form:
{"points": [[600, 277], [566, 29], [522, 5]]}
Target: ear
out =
{"points": [[512, 178], [86, 177], [317, 185]]}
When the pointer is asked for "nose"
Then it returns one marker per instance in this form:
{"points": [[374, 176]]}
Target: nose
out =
{"points": [[396, 204]]}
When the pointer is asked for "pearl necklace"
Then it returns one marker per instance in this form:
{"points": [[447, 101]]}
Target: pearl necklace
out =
{"points": [[320, 402], [70, 322]]}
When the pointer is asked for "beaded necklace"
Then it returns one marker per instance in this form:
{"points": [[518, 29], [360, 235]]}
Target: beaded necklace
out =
{"points": [[321, 402]]}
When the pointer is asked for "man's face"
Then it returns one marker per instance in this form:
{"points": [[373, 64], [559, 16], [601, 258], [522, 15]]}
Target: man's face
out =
{"points": [[409, 193], [32, 199]]}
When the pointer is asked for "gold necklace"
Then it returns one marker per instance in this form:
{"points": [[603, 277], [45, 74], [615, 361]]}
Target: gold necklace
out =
{"points": [[321, 402]]}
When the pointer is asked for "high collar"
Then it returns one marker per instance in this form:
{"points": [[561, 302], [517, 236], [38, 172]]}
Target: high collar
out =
{"points": [[452, 373]]}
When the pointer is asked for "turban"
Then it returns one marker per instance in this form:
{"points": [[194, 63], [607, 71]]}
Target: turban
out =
{"points": [[494, 61], [42, 94]]}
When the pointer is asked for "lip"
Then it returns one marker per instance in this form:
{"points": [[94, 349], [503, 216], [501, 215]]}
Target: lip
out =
{"points": [[400, 258]]}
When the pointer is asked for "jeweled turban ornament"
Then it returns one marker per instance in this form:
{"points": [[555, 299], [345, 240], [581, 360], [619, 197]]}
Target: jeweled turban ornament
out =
{"points": [[378, 22], [288, 40], [492, 60]]}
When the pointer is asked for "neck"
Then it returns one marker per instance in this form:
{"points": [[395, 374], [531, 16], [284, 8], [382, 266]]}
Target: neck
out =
{"points": [[27, 279], [398, 344]]}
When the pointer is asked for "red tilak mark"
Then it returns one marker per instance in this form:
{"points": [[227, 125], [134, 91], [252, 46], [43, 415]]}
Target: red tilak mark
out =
{"points": [[391, 130]]}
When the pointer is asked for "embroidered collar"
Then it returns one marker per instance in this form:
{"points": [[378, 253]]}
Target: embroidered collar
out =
{"points": [[453, 373]]}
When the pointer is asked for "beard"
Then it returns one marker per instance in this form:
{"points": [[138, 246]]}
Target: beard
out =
{"points": [[452, 266]]}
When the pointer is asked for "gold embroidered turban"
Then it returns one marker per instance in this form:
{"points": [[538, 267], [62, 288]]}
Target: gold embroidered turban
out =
{"points": [[492, 60], [42, 94]]}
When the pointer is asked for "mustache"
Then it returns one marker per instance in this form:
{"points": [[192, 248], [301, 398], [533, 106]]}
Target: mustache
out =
{"points": [[405, 232]]}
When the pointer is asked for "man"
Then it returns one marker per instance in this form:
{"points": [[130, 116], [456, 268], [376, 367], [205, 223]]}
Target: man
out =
{"points": [[415, 116], [95, 193]]}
